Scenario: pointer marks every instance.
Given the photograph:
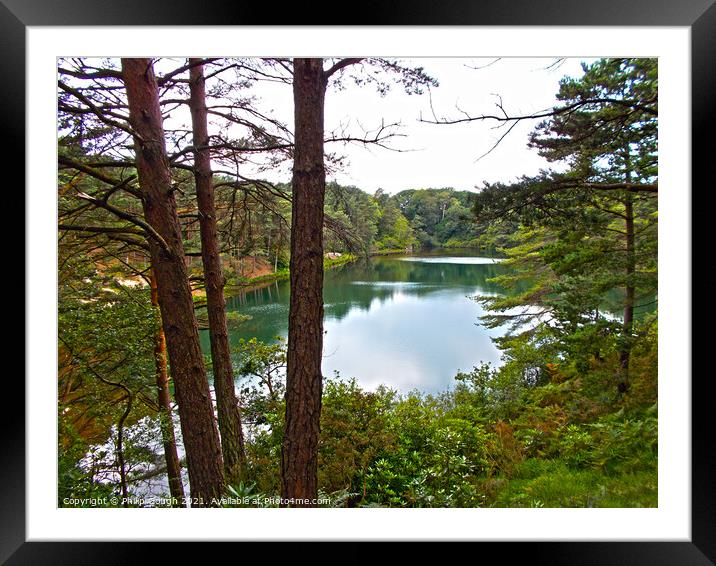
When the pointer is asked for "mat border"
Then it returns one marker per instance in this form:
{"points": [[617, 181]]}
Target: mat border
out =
{"points": [[699, 15]]}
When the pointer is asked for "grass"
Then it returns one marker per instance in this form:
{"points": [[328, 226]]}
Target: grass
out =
{"points": [[551, 483]]}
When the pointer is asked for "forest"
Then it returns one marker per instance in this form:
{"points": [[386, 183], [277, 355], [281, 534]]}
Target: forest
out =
{"points": [[167, 212]]}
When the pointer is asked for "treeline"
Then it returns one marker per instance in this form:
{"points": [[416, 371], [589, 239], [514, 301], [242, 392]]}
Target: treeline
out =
{"points": [[412, 219], [355, 221]]}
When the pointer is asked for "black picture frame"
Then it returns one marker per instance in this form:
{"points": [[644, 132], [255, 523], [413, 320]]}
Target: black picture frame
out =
{"points": [[698, 15]]}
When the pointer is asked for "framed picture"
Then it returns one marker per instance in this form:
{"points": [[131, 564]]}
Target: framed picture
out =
{"points": [[36, 33]]}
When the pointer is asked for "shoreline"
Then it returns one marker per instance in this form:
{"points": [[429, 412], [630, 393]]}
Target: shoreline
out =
{"points": [[262, 281]]}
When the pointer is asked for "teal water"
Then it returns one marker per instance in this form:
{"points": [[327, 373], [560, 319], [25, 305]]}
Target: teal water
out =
{"points": [[404, 321]]}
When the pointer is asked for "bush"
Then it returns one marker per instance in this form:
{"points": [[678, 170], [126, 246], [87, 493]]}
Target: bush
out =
{"points": [[625, 445], [575, 446], [380, 448]]}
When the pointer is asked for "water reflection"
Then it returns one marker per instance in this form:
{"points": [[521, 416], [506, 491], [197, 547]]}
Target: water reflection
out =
{"points": [[406, 322]]}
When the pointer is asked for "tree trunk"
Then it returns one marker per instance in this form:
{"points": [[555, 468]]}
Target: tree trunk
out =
{"points": [[232, 444], [629, 293], [629, 284], [171, 456], [299, 456], [121, 463], [196, 414], [120, 449]]}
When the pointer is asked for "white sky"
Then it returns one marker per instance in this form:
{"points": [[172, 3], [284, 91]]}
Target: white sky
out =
{"points": [[440, 155]]}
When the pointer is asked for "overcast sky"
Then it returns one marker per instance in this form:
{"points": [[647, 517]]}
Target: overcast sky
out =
{"points": [[437, 155]]}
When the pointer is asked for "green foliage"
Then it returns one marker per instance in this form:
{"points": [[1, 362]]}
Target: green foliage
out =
{"points": [[438, 216], [549, 483], [356, 425], [575, 446], [73, 480], [106, 361], [583, 249], [496, 439], [416, 218], [235, 318], [625, 445]]}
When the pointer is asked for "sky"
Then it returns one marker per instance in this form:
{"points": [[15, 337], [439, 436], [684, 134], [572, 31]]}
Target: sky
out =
{"points": [[436, 155]]}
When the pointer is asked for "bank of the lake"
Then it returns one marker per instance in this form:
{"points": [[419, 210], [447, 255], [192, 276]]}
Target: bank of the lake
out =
{"points": [[246, 284]]}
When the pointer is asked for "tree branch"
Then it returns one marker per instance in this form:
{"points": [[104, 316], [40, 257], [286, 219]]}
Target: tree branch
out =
{"points": [[341, 64]]}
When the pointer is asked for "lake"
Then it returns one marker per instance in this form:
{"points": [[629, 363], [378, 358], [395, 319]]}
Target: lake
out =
{"points": [[406, 321]]}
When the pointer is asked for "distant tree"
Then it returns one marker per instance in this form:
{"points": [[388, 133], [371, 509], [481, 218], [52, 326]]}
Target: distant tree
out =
{"points": [[394, 230], [439, 217], [358, 213]]}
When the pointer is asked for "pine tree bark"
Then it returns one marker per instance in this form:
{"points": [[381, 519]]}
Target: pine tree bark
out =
{"points": [[196, 414], [232, 443], [171, 456], [299, 455], [629, 286], [629, 292]]}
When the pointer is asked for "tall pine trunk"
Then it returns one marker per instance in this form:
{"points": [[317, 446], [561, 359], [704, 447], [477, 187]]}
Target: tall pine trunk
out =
{"points": [[171, 456], [232, 443], [629, 286], [299, 456], [629, 293], [196, 414]]}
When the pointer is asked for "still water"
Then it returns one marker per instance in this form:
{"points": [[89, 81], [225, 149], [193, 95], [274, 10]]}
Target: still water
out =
{"points": [[404, 321]]}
